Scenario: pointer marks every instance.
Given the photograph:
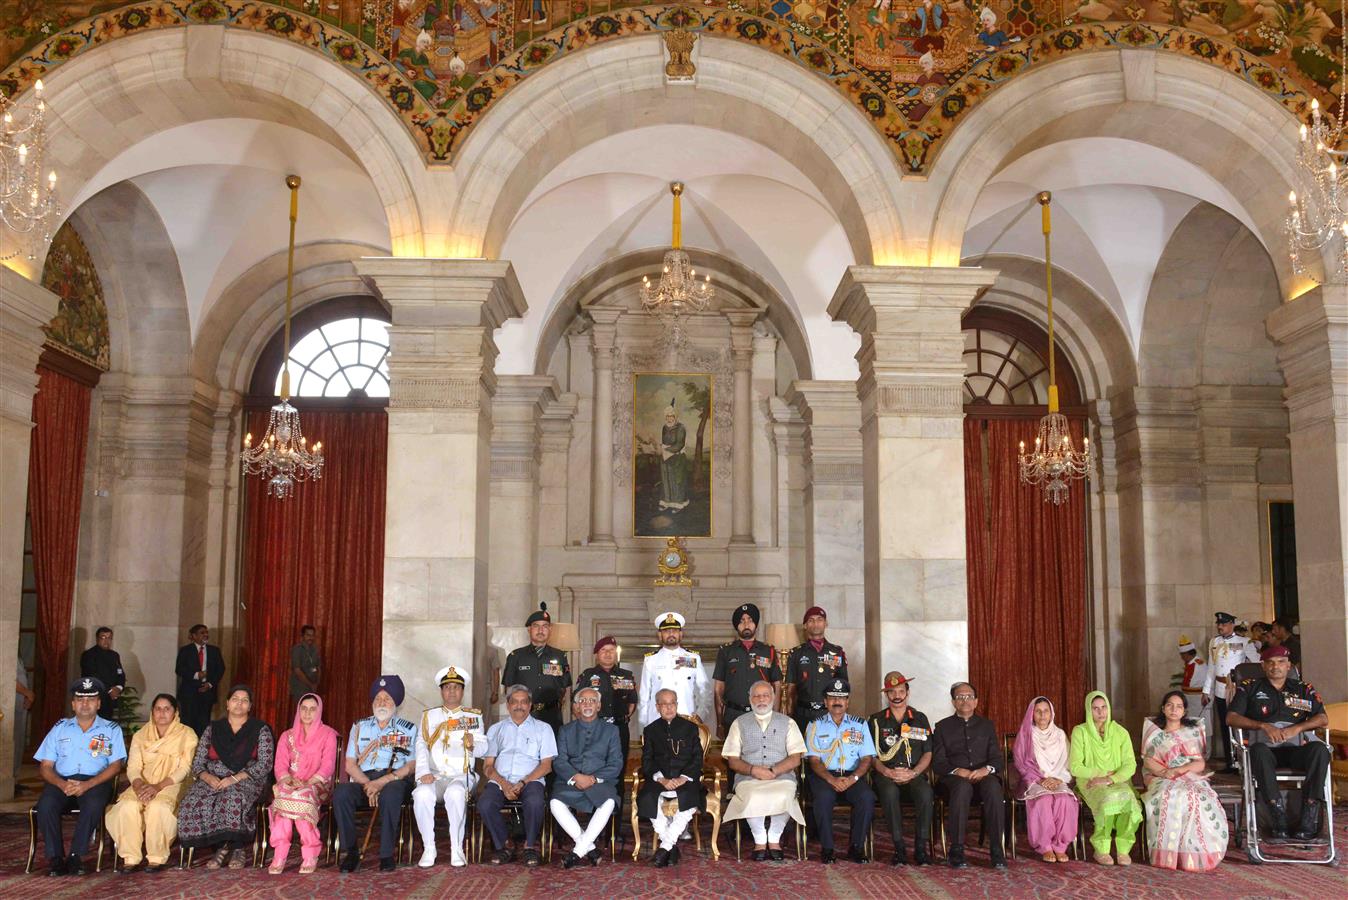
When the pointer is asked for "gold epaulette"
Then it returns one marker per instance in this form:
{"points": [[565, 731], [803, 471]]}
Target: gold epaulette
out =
{"points": [[471, 711]]}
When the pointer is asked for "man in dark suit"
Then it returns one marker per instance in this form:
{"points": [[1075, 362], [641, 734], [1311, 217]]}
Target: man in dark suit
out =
{"points": [[966, 756], [200, 667], [104, 663], [671, 764]]}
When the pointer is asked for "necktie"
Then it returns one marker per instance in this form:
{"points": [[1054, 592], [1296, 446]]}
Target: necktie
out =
{"points": [[201, 657]]}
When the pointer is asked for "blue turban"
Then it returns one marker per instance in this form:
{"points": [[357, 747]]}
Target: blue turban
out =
{"points": [[392, 684]]}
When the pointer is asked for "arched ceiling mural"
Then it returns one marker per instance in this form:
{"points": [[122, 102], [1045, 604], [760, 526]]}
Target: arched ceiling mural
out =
{"points": [[914, 67]]}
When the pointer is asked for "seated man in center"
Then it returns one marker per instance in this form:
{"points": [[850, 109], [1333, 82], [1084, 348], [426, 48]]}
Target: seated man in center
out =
{"points": [[589, 767], [763, 748], [840, 752], [671, 766], [520, 751]]}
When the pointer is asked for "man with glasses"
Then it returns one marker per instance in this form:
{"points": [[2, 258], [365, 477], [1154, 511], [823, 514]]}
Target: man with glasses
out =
{"points": [[966, 756], [589, 768]]}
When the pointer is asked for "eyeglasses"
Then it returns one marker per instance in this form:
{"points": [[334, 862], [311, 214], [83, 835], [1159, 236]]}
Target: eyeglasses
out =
{"points": [[965, 697]]}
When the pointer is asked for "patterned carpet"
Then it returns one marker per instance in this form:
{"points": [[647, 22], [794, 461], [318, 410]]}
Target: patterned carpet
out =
{"points": [[696, 876]]}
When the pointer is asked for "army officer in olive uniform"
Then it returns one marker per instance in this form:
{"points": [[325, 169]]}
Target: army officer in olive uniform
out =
{"points": [[543, 669], [617, 688], [902, 756], [810, 669], [741, 663]]}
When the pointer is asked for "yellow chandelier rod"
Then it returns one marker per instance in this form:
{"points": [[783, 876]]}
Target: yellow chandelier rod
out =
{"points": [[292, 182], [676, 188], [1044, 199]]}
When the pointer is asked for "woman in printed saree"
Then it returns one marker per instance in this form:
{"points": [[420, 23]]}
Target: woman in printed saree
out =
{"points": [[306, 758], [1103, 764], [159, 767], [1186, 826], [1041, 756], [232, 766]]}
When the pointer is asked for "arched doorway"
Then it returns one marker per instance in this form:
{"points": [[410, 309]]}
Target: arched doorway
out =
{"points": [[1027, 566]]}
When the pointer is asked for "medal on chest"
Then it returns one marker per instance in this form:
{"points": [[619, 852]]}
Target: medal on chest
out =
{"points": [[99, 745], [552, 668]]}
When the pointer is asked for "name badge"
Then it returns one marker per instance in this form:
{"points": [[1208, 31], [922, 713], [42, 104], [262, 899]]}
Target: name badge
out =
{"points": [[553, 668]]}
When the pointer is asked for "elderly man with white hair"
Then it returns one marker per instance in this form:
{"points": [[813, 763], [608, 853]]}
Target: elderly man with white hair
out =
{"points": [[763, 749], [589, 768], [671, 769], [520, 751]]}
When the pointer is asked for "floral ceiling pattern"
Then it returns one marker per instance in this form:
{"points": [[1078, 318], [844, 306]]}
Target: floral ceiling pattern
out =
{"points": [[914, 68]]}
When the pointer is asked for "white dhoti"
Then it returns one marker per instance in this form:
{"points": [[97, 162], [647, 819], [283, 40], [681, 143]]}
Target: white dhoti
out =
{"points": [[759, 799], [453, 791]]}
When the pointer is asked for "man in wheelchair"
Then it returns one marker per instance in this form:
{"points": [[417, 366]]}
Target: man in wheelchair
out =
{"points": [[1283, 713]]}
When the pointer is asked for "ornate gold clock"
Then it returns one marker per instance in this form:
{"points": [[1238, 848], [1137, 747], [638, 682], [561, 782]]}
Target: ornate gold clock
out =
{"points": [[673, 565]]}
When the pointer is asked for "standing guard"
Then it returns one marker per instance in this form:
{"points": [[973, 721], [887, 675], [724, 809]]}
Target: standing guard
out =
{"points": [[542, 668], [741, 663], [810, 669]]}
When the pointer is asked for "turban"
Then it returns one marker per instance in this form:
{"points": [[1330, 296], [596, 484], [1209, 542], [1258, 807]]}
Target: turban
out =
{"points": [[741, 610], [392, 685]]}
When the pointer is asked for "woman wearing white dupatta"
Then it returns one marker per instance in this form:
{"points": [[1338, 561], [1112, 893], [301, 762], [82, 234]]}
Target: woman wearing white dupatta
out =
{"points": [[1041, 756]]}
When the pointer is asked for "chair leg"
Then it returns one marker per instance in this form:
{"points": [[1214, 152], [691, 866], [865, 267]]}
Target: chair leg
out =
{"points": [[697, 832], [32, 839], [715, 831]]}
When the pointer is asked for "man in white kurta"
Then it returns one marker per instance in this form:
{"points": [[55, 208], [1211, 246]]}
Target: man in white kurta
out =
{"points": [[450, 742], [675, 669], [763, 748]]}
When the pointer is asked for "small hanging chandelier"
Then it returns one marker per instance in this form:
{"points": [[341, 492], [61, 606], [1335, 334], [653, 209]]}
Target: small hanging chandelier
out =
{"points": [[282, 457], [27, 200], [1319, 206], [1054, 463], [679, 292]]}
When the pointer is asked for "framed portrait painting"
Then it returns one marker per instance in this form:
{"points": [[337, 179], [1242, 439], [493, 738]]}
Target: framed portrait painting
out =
{"points": [[672, 433]]}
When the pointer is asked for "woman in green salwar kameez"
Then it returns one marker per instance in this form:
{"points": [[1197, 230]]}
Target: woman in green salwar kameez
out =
{"points": [[1102, 763]]}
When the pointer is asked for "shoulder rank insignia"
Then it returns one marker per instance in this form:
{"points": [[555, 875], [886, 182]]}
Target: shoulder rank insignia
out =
{"points": [[404, 723]]}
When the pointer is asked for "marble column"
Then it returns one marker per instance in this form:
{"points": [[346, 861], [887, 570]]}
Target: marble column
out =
{"points": [[834, 502], [911, 396], [24, 308], [603, 334], [1312, 337], [741, 468], [436, 534]]}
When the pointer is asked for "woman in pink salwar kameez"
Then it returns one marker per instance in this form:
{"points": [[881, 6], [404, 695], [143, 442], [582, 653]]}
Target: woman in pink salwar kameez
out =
{"points": [[306, 759], [1041, 755]]}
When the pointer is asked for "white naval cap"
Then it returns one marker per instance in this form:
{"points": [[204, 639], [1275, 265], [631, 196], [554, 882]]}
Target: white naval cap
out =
{"points": [[451, 675], [669, 620]]}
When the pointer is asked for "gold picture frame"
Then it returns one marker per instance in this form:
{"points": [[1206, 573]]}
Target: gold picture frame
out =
{"points": [[672, 490]]}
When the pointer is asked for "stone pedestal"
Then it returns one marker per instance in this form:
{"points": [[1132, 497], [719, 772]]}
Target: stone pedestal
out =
{"points": [[441, 383], [911, 396], [1312, 337], [24, 308]]}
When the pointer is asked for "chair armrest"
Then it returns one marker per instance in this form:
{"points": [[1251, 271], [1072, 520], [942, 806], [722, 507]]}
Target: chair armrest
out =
{"points": [[1338, 744]]}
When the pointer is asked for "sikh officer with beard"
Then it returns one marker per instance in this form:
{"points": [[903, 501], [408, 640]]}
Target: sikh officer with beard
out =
{"points": [[450, 742], [741, 663], [378, 761]]}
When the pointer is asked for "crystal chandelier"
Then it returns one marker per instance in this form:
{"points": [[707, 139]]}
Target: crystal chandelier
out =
{"points": [[1054, 462], [1319, 205], [27, 200], [282, 457], [679, 292]]}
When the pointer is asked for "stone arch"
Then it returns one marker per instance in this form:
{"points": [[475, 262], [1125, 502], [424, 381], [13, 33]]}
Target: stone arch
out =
{"points": [[110, 97], [582, 98], [1242, 138]]}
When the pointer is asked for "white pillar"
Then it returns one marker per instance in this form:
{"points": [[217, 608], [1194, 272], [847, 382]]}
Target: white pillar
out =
{"points": [[24, 309], [603, 335], [1312, 337], [912, 413], [441, 381], [741, 470]]}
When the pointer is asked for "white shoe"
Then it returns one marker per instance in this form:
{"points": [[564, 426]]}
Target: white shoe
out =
{"points": [[427, 858], [457, 859]]}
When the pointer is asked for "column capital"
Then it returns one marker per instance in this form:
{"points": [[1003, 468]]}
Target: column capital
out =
{"points": [[832, 415], [430, 291], [879, 299], [519, 402], [25, 307], [1311, 334], [604, 332]]}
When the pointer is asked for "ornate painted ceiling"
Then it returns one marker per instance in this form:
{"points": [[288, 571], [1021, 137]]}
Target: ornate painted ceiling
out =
{"points": [[915, 68]]}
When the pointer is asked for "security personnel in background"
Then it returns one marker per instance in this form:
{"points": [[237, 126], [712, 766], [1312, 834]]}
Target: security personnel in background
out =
{"points": [[543, 669], [810, 669], [617, 688], [104, 663], [1226, 651], [902, 756], [379, 762], [741, 663], [1281, 710], [839, 752], [451, 740], [79, 760]]}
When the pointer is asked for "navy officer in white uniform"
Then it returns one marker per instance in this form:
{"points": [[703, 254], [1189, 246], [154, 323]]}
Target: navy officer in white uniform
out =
{"points": [[673, 668]]}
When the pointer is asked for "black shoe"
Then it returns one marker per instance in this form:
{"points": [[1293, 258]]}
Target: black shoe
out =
{"points": [[675, 856], [74, 865], [593, 856], [56, 867], [920, 857], [899, 859], [155, 869], [760, 856], [827, 856], [351, 861], [777, 855], [531, 858], [999, 861], [571, 861], [858, 855], [661, 858], [956, 859], [500, 857], [387, 864], [1279, 821], [1310, 820]]}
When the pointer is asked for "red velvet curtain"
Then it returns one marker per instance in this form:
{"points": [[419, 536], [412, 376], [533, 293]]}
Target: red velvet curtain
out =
{"points": [[55, 486], [318, 558], [1027, 580]]}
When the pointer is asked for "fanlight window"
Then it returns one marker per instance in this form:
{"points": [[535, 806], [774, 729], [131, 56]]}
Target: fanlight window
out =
{"points": [[346, 358], [1001, 370]]}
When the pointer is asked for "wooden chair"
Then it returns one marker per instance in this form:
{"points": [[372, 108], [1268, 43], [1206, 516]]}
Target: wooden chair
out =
{"points": [[806, 801], [101, 830], [409, 834], [512, 808], [712, 779], [940, 801]]}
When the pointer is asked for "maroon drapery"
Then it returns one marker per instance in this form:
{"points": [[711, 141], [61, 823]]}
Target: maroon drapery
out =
{"points": [[318, 558], [55, 486], [1027, 574]]}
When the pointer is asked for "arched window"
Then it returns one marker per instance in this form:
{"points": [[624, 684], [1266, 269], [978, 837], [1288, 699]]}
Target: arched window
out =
{"points": [[1006, 366], [345, 358]]}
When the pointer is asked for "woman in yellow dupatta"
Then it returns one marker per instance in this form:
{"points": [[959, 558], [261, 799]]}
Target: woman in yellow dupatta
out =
{"points": [[1102, 762], [159, 766]]}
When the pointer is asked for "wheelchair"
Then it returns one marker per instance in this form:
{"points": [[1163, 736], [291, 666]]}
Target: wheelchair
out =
{"points": [[1255, 848]]}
